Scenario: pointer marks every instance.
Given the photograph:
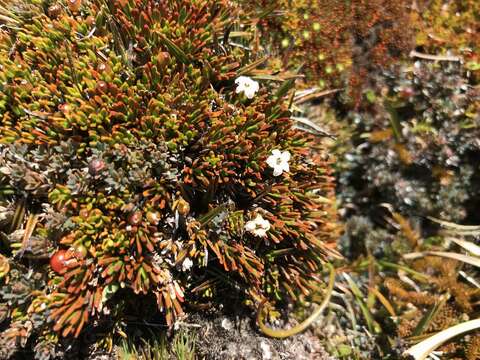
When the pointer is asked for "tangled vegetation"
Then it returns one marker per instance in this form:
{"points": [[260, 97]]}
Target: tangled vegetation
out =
{"points": [[415, 143], [333, 40], [409, 156]]}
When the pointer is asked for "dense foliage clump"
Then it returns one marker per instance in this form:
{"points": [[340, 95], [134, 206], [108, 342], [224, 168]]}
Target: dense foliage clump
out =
{"points": [[415, 143], [407, 157], [449, 27], [330, 39], [134, 171]]}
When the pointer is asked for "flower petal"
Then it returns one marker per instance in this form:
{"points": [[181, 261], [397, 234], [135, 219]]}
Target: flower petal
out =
{"points": [[250, 226], [277, 171], [240, 80], [272, 161], [261, 232], [265, 224], [187, 264], [286, 155], [249, 94]]}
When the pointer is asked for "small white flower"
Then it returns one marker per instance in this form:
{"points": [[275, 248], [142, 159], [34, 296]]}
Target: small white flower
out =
{"points": [[187, 264], [278, 161], [246, 85], [258, 226]]}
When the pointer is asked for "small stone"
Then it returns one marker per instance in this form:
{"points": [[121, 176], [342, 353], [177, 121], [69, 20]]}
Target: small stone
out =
{"points": [[266, 350], [227, 324]]}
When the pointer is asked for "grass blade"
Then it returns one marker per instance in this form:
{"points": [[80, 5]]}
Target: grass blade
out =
{"points": [[386, 304], [363, 307], [454, 226], [421, 350], [428, 317], [467, 245], [450, 255]]}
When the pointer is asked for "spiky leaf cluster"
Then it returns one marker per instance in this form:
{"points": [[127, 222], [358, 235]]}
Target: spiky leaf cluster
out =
{"points": [[125, 144]]}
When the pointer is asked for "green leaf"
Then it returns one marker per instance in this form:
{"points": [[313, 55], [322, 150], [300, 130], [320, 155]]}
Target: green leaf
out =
{"points": [[428, 317], [247, 68], [371, 97], [372, 326], [472, 66], [284, 88], [394, 119], [204, 220]]}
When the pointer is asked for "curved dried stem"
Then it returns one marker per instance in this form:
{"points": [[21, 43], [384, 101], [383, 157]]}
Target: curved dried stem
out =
{"points": [[424, 348], [281, 333]]}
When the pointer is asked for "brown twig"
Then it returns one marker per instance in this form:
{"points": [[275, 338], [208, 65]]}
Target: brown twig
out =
{"points": [[416, 54]]}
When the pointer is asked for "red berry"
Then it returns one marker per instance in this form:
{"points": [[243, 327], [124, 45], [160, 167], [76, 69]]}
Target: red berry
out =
{"points": [[102, 67], [58, 261], [65, 108], [162, 59], [90, 20], [84, 213], [102, 86], [407, 93]]}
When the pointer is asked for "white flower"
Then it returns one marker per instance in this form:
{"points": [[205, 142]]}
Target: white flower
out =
{"points": [[187, 264], [279, 162], [246, 85], [258, 226]]}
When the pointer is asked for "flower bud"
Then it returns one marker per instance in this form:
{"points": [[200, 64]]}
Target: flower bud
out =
{"points": [[74, 5], [135, 218], [96, 166], [102, 86], [54, 11]]}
